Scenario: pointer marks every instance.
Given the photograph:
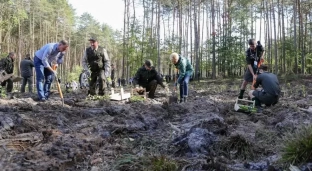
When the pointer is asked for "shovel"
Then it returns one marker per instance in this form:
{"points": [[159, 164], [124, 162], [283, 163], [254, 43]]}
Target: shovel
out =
{"points": [[59, 87], [174, 97], [17, 79], [4, 76]]}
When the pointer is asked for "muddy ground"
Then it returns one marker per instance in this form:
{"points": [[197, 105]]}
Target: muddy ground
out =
{"points": [[203, 134]]}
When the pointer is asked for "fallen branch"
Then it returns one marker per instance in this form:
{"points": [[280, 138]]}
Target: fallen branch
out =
{"points": [[174, 127], [309, 110]]}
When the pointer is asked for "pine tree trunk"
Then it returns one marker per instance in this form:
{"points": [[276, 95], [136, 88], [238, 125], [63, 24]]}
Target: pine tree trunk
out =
{"points": [[158, 40], [213, 41]]}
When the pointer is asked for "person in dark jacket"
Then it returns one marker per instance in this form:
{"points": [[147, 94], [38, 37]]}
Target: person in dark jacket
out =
{"points": [[270, 91], [147, 77], [26, 67], [7, 64]]}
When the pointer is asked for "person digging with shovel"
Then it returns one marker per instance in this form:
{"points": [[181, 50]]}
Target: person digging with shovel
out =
{"points": [[254, 55], [51, 53], [185, 72], [147, 77], [269, 94]]}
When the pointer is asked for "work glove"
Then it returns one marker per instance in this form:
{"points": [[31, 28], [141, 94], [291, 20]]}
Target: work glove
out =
{"points": [[140, 90]]}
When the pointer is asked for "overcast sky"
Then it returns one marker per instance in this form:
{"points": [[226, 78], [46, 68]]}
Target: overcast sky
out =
{"points": [[111, 12], [104, 11]]}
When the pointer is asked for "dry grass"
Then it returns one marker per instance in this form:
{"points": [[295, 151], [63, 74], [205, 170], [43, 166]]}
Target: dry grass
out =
{"points": [[237, 147], [147, 163], [297, 146]]}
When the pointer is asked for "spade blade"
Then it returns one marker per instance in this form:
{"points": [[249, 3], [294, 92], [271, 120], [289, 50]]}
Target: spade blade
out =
{"points": [[173, 98]]}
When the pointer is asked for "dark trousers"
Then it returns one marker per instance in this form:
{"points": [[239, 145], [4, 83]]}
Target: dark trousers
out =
{"points": [[26, 80], [9, 85], [151, 88], [94, 76], [113, 84], [265, 98]]}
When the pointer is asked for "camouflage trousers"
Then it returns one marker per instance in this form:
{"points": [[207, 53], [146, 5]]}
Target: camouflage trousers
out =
{"points": [[99, 77], [9, 85]]}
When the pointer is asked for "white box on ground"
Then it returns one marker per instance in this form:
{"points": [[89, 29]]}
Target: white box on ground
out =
{"points": [[119, 96]]}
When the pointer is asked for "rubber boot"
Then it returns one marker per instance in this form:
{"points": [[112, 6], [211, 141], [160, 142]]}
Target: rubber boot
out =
{"points": [[241, 94], [181, 100], [184, 99], [102, 92]]}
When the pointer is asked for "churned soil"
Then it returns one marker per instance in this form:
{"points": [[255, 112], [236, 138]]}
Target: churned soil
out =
{"points": [[203, 134]]}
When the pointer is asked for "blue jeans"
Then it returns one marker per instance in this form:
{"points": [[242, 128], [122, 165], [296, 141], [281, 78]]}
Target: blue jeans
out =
{"points": [[184, 86], [42, 74]]}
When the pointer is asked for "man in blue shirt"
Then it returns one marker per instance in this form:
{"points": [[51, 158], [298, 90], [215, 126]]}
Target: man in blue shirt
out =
{"points": [[50, 54]]}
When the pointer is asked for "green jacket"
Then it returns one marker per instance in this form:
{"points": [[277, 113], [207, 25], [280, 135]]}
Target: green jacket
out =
{"points": [[184, 66], [7, 64], [96, 60], [143, 77]]}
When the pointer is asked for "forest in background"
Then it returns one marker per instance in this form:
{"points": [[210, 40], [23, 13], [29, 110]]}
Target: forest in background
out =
{"points": [[212, 33]]}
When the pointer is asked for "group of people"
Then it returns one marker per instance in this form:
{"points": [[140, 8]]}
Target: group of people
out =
{"points": [[148, 78], [26, 68], [259, 75], [99, 70]]}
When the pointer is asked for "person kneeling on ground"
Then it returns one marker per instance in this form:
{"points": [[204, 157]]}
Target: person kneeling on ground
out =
{"points": [[147, 77], [185, 72], [269, 94]]}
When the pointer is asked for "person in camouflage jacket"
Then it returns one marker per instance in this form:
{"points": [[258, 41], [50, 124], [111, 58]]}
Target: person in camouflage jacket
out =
{"points": [[7, 64], [185, 72], [147, 77], [97, 61]]}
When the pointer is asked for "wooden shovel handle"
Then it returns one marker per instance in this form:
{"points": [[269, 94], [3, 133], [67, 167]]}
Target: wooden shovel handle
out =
{"points": [[54, 67], [175, 80]]}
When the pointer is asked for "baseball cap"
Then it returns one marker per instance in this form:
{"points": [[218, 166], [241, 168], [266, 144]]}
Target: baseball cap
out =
{"points": [[93, 39]]}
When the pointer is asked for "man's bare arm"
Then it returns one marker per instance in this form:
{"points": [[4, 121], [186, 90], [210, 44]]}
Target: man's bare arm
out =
{"points": [[250, 69]]}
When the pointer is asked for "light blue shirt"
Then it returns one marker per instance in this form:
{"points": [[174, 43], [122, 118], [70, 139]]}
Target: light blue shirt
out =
{"points": [[49, 53]]}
